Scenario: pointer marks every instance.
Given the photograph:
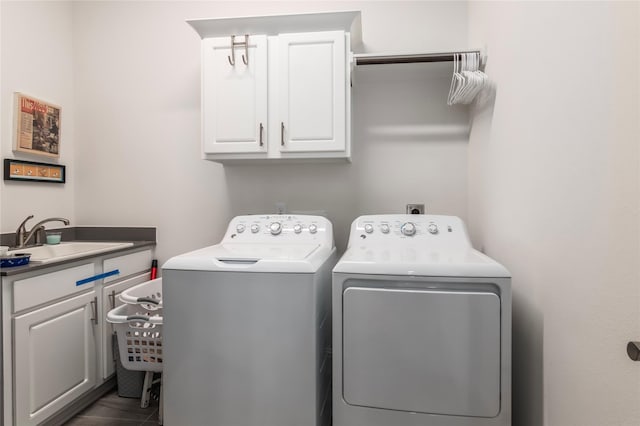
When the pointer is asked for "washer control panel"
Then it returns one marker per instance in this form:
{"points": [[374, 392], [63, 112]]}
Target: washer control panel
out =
{"points": [[281, 228], [380, 229]]}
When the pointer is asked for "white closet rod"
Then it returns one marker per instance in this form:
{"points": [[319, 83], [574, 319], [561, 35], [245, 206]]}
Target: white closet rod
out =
{"points": [[374, 59]]}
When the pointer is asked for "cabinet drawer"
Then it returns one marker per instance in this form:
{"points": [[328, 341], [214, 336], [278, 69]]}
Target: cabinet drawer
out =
{"points": [[127, 264], [47, 287]]}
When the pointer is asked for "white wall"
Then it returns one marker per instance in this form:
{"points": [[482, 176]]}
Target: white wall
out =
{"points": [[138, 85], [37, 59], [554, 194]]}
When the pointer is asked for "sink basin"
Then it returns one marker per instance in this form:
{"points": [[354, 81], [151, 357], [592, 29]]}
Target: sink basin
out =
{"points": [[69, 250]]}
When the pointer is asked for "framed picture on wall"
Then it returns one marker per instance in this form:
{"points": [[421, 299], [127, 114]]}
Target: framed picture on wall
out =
{"points": [[20, 170], [37, 126]]}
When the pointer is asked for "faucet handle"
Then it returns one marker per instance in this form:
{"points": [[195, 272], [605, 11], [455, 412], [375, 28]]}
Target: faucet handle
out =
{"points": [[21, 232], [24, 222]]}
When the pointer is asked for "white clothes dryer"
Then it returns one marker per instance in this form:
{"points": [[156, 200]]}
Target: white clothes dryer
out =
{"points": [[247, 326], [421, 327]]}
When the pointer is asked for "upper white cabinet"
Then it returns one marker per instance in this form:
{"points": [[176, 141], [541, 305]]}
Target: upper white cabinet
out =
{"points": [[313, 92], [279, 88], [234, 97]]}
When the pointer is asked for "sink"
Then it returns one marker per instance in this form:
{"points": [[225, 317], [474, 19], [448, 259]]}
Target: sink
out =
{"points": [[68, 250]]}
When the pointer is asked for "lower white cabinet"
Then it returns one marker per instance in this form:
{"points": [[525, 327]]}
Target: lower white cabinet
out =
{"points": [[54, 357], [56, 341]]}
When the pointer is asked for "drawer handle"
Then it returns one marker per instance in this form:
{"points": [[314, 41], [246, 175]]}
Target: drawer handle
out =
{"points": [[112, 299], [94, 309], [97, 277]]}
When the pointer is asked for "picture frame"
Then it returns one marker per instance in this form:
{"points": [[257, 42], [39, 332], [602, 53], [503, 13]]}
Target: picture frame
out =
{"points": [[20, 170], [37, 126]]}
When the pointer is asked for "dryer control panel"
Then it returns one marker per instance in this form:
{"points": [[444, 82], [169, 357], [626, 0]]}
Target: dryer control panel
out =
{"points": [[280, 228], [443, 231]]}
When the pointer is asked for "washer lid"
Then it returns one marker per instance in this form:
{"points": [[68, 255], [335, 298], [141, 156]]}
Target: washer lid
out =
{"points": [[253, 257], [409, 259]]}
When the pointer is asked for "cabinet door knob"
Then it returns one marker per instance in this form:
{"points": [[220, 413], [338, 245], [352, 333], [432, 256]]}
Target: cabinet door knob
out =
{"points": [[261, 129], [282, 133]]}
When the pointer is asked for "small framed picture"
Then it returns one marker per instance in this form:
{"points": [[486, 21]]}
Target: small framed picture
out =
{"points": [[37, 126], [32, 171]]}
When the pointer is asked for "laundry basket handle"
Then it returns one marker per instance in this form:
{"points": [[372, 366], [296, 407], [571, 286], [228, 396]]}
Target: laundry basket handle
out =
{"points": [[147, 300], [137, 318]]}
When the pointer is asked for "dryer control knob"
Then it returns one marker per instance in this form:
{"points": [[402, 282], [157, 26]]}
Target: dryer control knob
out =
{"points": [[408, 229], [240, 228], [368, 228], [297, 228], [275, 228], [385, 228], [313, 228], [255, 228], [432, 228]]}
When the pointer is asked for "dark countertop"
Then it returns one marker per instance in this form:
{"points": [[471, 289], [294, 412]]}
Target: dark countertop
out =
{"points": [[140, 237]]}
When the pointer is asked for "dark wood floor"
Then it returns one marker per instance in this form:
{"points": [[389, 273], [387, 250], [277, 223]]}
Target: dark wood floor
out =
{"points": [[113, 410]]}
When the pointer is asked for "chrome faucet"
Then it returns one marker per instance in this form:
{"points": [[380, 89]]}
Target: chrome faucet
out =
{"points": [[23, 237]]}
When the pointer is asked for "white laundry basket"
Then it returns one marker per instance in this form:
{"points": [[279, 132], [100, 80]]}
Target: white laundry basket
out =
{"points": [[139, 337], [138, 327], [148, 295]]}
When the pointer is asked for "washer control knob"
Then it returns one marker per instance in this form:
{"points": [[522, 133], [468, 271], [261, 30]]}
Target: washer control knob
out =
{"points": [[432, 228], [275, 228], [240, 228], [313, 228], [255, 228], [408, 229], [297, 228], [368, 228], [385, 228]]}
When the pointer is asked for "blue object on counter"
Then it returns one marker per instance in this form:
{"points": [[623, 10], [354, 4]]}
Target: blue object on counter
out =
{"points": [[16, 259]]}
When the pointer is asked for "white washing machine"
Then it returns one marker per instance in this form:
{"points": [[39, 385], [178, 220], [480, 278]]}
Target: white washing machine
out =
{"points": [[421, 327], [247, 326]]}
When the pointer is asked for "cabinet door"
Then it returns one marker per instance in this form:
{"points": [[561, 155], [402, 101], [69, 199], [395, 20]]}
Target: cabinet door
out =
{"points": [[55, 358], [234, 97], [312, 91], [111, 300]]}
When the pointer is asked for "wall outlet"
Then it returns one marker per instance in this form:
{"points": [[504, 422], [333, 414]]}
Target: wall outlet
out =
{"points": [[415, 208], [281, 208]]}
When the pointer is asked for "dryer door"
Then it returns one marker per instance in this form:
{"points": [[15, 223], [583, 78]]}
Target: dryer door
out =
{"points": [[425, 351]]}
